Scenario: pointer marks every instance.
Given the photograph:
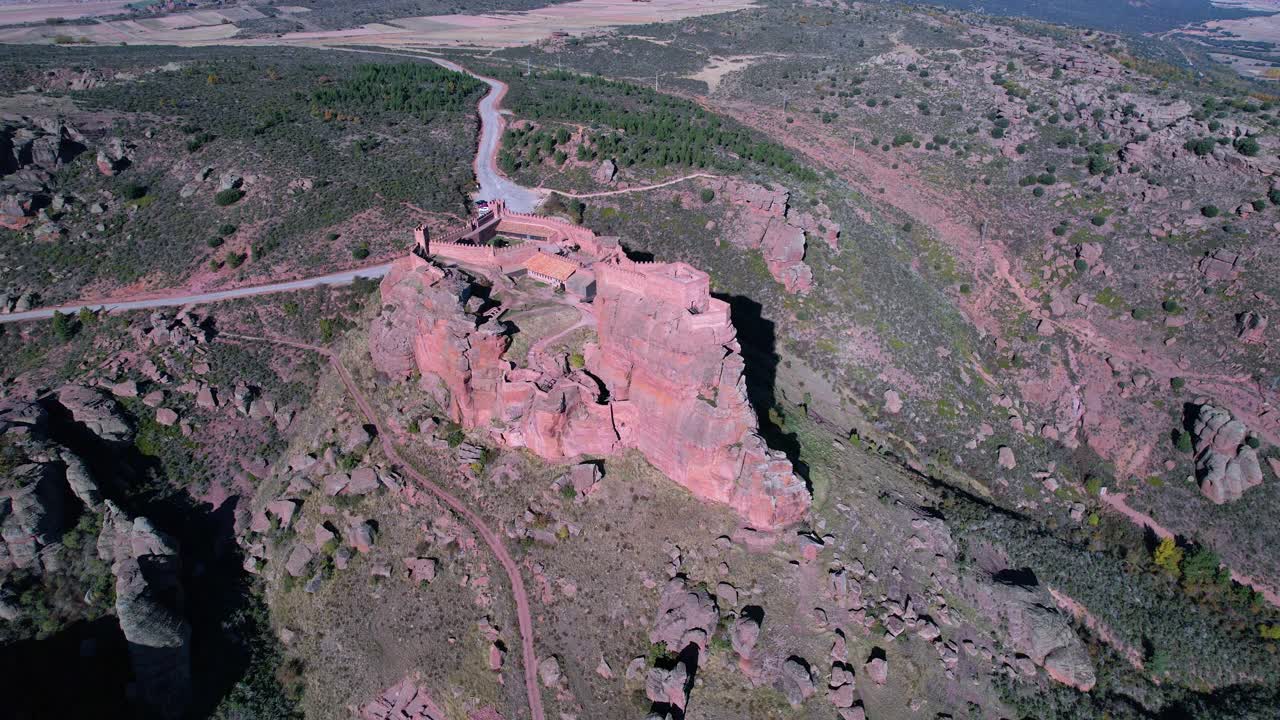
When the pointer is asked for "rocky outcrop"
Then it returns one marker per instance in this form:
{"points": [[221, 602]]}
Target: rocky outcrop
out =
{"points": [[149, 605], [428, 327], [32, 492], [113, 157], [667, 358], [32, 511], [403, 701], [778, 231], [669, 355], [1226, 463], [97, 411], [605, 172], [685, 617], [1036, 628]]}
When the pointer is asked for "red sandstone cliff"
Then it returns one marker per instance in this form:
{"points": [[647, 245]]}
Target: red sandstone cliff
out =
{"points": [[667, 354]]}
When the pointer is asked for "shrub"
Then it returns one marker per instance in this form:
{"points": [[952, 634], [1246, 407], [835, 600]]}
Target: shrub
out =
{"points": [[360, 253], [1210, 211], [1093, 485], [903, 139], [1253, 442], [229, 196], [1098, 220], [1200, 146], [235, 260], [1177, 383], [1168, 557], [1274, 196], [1080, 265], [1060, 230], [214, 241], [1183, 442], [1038, 192], [134, 191], [1171, 306], [708, 195], [63, 326], [1258, 205], [226, 229], [1247, 146]]}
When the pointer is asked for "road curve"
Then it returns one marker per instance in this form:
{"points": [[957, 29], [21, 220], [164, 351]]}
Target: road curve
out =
{"points": [[493, 186], [524, 616], [346, 277]]}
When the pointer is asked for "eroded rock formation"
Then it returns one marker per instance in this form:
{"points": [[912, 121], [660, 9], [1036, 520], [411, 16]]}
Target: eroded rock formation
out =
{"points": [[667, 358], [149, 604], [1037, 629], [1225, 462], [778, 231]]}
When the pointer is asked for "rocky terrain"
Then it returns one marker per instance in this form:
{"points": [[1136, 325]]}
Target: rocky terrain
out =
{"points": [[926, 371]]}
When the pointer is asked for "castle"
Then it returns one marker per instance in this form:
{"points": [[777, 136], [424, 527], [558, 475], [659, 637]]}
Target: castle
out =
{"points": [[664, 376]]}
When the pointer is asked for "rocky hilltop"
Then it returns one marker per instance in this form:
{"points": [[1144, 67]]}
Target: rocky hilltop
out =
{"points": [[665, 378]]}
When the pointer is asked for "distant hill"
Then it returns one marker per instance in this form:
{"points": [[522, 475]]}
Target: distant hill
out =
{"points": [[1128, 16]]}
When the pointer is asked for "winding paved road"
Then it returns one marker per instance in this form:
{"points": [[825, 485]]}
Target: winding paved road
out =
{"points": [[524, 616], [493, 186]]}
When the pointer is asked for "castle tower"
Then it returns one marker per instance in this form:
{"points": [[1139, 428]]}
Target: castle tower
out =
{"points": [[421, 241]]}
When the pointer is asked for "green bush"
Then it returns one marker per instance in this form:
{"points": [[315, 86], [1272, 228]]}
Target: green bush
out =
{"points": [[1098, 220], [1247, 146], [1177, 383], [134, 191], [1183, 441], [214, 241], [229, 196], [235, 260], [361, 252], [708, 195], [1080, 265], [1210, 211], [1200, 146], [226, 229], [63, 326]]}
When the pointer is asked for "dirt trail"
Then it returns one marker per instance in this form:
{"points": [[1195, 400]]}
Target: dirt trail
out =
{"points": [[1117, 502], [491, 538], [1104, 633], [642, 188]]}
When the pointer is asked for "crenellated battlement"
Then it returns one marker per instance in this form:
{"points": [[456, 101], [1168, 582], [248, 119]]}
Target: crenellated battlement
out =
{"points": [[675, 283]]}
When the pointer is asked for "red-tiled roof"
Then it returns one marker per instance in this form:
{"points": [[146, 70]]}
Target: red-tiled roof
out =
{"points": [[552, 266]]}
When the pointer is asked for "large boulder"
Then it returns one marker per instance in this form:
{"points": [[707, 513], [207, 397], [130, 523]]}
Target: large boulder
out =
{"points": [[684, 617], [1225, 462], [1035, 627], [97, 411]]}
